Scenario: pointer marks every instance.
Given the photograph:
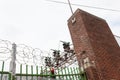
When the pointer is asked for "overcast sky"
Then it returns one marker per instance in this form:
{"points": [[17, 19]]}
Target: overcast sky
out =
{"points": [[42, 24]]}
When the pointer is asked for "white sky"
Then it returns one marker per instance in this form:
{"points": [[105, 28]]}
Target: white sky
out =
{"points": [[42, 24]]}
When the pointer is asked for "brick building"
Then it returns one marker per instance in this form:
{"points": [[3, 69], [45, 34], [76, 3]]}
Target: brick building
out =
{"points": [[95, 46]]}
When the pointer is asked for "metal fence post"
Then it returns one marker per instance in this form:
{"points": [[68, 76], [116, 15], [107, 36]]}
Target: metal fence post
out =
{"points": [[37, 71], [2, 70], [32, 71], [26, 72], [21, 72], [13, 59]]}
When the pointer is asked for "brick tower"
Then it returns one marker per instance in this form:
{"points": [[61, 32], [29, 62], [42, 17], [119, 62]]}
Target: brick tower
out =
{"points": [[96, 48]]}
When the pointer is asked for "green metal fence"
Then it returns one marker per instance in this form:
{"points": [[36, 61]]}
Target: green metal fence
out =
{"points": [[5, 76], [72, 73], [43, 73]]}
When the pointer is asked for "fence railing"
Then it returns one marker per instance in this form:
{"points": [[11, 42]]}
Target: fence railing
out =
{"points": [[43, 73], [5, 75]]}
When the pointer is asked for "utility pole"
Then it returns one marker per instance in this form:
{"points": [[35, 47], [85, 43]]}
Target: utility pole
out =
{"points": [[13, 59]]}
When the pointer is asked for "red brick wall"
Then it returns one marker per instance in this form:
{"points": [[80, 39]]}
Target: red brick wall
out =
{"points": [[93, 39]]}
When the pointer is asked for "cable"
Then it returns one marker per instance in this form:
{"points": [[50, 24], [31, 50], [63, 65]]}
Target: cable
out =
{"points": [[84, 6], [70, 7], [117, 36]]}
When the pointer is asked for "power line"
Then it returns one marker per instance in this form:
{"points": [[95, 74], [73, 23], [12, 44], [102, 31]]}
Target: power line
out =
{"points": [[84, 6], [70, 7]]}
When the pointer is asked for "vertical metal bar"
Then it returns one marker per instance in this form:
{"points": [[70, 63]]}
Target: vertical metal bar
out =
{"points": [[26, 72], [66, 74], [62, 73], [69, 73], [50, 72], [85, 78], [46, 73], [46, 70], [2, 70], [41, 73], [72, 73], [78, 72], [81, 72], [37, 71], [75, 73], [9, 78], [59, 73], [32, 71], [21, 72]]}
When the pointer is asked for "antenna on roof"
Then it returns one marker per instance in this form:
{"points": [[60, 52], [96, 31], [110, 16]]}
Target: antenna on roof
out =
{"points": [[70, 7]]}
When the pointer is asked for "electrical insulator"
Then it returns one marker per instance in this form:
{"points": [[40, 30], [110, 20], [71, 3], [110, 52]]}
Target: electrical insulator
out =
{"points": [[65, 56], [66, 46], [45, 59], [49, 59], [57, 63], [55, 52]]}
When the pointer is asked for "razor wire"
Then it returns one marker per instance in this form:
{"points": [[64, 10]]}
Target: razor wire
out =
{"points": [[26, 54], [35, 56], [30, 56], [5, 50]]}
